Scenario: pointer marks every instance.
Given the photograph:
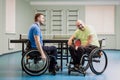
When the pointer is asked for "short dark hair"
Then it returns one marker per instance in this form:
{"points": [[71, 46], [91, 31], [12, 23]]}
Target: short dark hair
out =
{"points": [[36, 16]]}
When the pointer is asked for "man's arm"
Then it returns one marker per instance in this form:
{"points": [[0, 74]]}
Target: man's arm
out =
{"points": [[39, 47], [89, 40], [70, 40]]}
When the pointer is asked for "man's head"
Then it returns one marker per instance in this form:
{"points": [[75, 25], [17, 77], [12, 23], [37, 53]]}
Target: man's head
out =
{"points": [[39, 17], [80, 25]]}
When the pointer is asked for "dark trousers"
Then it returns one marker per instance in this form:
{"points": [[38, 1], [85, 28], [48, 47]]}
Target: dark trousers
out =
{"points": [[77, 54], [52, 52]]}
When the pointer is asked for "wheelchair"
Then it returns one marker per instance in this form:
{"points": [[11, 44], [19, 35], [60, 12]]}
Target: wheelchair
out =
{"points": [[32, 63], [96, 60]]}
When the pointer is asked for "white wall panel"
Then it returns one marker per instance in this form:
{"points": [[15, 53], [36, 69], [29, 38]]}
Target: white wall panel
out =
{"points": [[101, 18]]}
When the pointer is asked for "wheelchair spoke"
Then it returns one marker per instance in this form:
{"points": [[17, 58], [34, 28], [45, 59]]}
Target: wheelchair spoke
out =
{"points": [[99, 63], [34, 65]]}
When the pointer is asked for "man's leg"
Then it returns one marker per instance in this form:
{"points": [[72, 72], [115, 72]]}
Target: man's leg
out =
{"points": [[89, 48], [80, 52], [73, 54], [52, 52]]}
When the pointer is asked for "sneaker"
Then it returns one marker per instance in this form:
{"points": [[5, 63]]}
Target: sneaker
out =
{"points": [[57, 68], [75, 68], [53, 72]]}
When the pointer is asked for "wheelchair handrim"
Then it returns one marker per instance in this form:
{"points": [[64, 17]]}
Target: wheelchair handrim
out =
{"points": [[92, 66], [34, 73]]}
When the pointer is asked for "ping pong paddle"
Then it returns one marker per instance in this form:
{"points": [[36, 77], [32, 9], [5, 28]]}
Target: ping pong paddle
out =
{"points": [[77, 42]]}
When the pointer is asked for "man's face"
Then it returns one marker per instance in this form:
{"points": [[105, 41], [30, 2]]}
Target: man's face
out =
{"points": [[41, 19], [80, 26]]}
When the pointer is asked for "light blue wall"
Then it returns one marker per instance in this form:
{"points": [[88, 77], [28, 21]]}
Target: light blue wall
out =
{"points": [[24, 18], [117, 25], [0, 22]]}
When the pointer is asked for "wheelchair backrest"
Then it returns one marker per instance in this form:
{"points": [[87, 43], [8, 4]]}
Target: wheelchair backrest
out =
{"points": [[100, 42], [28, 45]]}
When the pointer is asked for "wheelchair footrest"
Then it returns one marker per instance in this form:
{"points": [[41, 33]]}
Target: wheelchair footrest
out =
{"points": [[80, 70]]}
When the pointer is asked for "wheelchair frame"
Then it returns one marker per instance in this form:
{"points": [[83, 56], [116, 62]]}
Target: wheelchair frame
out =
{"points": [[90, 58]]}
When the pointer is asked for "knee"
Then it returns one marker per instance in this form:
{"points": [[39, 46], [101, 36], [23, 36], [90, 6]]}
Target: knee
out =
{"points": [[53, 48], [81, 49]]}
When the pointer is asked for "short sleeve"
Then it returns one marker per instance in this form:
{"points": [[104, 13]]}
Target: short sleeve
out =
{"points": [[36, 31]]}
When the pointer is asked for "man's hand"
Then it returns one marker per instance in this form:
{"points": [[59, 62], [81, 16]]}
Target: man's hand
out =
{"points": [[43, 56], [70, 40], [76, 47]]}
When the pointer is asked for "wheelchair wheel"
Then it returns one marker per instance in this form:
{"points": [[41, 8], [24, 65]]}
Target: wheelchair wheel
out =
{"points": [[98, 61], [84, 61], [32, 63]]}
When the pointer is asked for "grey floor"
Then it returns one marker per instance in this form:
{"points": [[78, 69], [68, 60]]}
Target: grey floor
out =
{"points": [[10, 69]]}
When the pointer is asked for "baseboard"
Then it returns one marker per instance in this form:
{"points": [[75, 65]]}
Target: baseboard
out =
{"points": [[10, 53]]}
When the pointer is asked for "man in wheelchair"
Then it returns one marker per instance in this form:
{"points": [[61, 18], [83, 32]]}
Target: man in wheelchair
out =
{"points": [[88, 42], [36, 42]]}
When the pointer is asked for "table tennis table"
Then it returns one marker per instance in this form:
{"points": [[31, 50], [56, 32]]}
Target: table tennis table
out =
{"points": [[62, 45]]}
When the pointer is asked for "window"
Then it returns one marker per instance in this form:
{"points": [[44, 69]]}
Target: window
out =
{"points": [[10, 16], [72, 17], [101, 18], [56, 21]]}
